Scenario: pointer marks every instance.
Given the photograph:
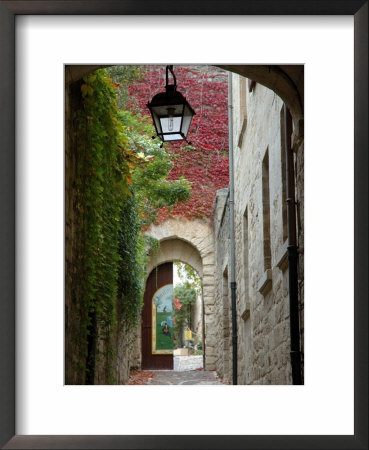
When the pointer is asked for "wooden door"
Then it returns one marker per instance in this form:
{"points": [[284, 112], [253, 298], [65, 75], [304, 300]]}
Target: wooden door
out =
{"points": [[160, 277]]}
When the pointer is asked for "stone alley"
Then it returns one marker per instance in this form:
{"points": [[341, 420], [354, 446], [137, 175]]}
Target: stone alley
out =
{"points": [[187, 371], [179, 247]]}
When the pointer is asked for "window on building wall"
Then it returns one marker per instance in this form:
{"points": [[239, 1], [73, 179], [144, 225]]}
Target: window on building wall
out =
{"points": [[246, 313], [266, 212], [242, 111], [284, 175]]}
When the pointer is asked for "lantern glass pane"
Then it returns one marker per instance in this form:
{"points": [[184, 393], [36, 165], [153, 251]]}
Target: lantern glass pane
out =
{"points": [[172, 137], [156, 123], [165, 124], [187, 118]]}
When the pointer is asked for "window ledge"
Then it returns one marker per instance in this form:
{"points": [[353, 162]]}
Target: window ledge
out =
{"points": [[282, 257], [242, 132], [246, 314], [265, 282]]}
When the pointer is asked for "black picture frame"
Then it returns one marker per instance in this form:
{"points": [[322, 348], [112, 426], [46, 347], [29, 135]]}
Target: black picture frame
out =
{"points": [[8, 11]]}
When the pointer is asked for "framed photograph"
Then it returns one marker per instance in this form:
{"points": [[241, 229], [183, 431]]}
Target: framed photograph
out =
{"points": [[38, 409]]}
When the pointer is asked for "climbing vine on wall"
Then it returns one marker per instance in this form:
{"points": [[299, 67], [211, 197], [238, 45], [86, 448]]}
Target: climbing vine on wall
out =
{"points": [[121, 180], [151, 185], [102, 188], [131, 269]]}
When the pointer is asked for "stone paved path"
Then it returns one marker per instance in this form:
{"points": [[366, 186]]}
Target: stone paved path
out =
{"points": [[183, 363], [169, 377]]}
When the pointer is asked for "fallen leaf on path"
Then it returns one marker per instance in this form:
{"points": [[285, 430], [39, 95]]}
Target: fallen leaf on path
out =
{"points": [[140, 377]]}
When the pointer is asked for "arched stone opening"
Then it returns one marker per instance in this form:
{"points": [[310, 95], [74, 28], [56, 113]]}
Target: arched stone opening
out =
{"points": [[177, 250], [287, 81], [191, 242]]}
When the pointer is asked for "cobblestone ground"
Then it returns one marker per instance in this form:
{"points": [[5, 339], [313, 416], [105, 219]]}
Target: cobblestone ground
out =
{"points": [[152, 377]]}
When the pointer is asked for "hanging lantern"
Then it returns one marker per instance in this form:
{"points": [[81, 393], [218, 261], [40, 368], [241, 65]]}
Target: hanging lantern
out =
{"points": [[171, 113]]}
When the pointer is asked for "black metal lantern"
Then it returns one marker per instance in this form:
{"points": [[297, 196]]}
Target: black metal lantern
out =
{"points": [[171, 113]]}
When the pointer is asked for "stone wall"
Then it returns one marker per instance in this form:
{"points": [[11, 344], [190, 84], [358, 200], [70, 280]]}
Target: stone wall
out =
{"points": [[222, 298], [260, 243], [196, 320], [72, 358]]}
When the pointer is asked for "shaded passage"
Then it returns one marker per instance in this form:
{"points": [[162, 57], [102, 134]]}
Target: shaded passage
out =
{"points": [[167, 377]]}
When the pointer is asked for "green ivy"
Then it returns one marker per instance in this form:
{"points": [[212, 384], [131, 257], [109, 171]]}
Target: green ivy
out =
{"points": [[120, 181], [150, 181], [101, 191], [131, 269]]}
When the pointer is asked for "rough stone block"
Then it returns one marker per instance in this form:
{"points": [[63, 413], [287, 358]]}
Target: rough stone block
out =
{"points": [[209, 360]]}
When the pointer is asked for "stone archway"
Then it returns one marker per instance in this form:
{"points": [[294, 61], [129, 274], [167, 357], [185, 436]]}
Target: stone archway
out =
{"points": [[287, 81], [191, 242], [176, 249]]}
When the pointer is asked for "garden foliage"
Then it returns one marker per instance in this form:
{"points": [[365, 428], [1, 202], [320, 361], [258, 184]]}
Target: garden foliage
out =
{"points": [[185, 294]]}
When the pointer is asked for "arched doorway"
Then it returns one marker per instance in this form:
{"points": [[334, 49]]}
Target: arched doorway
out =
{"points": [[172, 325], [157, 319], [191, 242]]}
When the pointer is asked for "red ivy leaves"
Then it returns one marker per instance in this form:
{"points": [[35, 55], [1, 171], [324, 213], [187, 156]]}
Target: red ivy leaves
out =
{"points": [[205, 163]]}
